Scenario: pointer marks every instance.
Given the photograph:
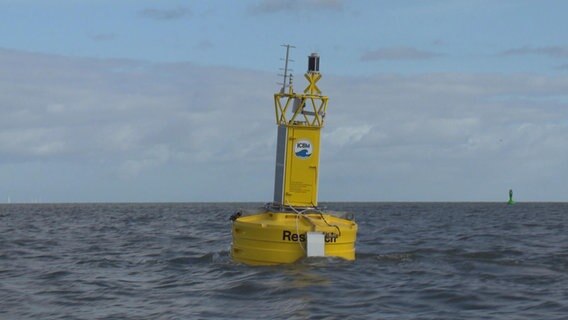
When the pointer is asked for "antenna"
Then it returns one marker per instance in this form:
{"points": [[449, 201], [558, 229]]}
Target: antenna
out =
{"points": [[287, 59]]}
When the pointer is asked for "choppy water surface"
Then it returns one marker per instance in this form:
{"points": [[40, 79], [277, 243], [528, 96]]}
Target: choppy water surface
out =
{"points": [[171, 261]]}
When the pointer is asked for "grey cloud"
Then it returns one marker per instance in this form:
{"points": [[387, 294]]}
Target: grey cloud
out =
{"points": [[115, 109], [165, 14], [550, 51], [398, 53], [433, 128], [167, 127], [275, 6], [439, 42], [204, 45], [103, 36]]}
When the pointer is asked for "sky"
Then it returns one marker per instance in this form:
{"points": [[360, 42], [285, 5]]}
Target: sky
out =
{"points": [[172, 101]]}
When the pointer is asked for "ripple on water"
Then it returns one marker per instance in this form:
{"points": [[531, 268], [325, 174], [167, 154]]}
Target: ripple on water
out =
{"points": [[172, 261]]}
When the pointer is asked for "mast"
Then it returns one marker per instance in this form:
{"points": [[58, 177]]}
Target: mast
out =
{"points": [[300, 117], [286, 60]]}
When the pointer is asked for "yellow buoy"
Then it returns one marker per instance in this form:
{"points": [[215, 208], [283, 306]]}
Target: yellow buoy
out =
{"points": [[280, 237], [292, 226]]}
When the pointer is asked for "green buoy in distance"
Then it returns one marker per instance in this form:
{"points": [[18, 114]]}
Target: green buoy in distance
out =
{"points": [[511, 197]]}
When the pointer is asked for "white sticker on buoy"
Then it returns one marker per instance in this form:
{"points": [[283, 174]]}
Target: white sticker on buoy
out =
{"points": [[316, 244], [303, 149]]}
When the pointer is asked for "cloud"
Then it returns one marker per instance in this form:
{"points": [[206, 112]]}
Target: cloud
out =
{"points": [[119, 109], [103, 36], [398, 53], [276, 6], [130, 129], [429, 132], [440, 42], [165, 14], [549, 51], [204, 45], [347, 134]]}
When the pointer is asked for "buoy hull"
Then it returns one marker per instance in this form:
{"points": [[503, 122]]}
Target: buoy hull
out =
{"points": [[280, 237]]}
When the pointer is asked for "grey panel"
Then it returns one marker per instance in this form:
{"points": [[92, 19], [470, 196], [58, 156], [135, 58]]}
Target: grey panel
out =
{"points": [[280, 165]]}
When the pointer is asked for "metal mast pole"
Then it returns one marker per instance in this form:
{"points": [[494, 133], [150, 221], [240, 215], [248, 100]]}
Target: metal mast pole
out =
{"points": [[287, 46]]}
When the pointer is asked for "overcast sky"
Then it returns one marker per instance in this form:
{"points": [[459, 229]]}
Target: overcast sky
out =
{"points": [[143, 101]]}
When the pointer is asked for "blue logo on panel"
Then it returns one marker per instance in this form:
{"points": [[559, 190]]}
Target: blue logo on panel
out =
{"points": [[303, 149]]}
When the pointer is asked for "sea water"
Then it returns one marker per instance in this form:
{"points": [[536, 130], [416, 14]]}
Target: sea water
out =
{"points": [[171, 261]]}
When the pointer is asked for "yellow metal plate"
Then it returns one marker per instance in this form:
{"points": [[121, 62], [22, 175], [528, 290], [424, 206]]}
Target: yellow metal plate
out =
{"points": [[302, 166]]}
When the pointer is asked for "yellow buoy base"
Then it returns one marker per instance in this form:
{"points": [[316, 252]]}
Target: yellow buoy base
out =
{"points": [[280, 237]]}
